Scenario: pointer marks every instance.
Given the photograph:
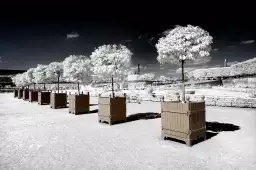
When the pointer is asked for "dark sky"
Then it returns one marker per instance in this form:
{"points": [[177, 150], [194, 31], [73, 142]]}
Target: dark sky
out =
{"points": [[38, 35]]}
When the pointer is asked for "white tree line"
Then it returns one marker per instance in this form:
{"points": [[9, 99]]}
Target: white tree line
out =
{"points": [[113, 62], [243, 68]]}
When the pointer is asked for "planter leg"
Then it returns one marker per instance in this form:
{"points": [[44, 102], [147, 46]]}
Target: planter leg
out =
{"points": [[162, 136], [189, 143]]}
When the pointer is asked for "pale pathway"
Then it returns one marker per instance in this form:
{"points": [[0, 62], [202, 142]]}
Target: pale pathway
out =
{"points": [[37, 137]]}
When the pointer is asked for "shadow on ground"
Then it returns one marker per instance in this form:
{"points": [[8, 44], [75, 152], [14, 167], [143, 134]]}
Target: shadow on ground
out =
{"points": [[213, 129], [93, 104], [144, 116], [138, 116], [91, 111]]}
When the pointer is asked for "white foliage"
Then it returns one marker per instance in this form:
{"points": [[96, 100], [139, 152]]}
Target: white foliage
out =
{"points": [[244, 68], [40, 74], [54, 70], [23, 79], [17, 80], [78, 68], [163, 78], [184, 43], [28, 76], [111, 60], [147, 77], [67, 64], [209, 73]]}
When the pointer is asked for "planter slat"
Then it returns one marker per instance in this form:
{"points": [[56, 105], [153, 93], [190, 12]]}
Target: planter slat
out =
{"points": [[58, 100], [15, 93], [33, 96], [20, 93], [25, 94], [44, 97], [79, 104], [112, 110], [183, 121]]}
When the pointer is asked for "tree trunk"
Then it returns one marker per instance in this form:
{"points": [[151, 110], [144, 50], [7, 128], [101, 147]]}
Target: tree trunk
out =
{"points": [[58, 83], [44, 86], [34, 86], [112, 83], [28, 87], [78, 88], [183, 81]]}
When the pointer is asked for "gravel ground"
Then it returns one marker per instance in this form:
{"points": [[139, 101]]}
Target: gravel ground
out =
{"points": [[37, 137]]}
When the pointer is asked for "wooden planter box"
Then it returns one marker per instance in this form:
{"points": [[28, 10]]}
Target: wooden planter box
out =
{"points": [[25, 94], [112, 109], [44, 97], [15, 93], [79, 103], [183, 121], [33, 96], [58, 100], [20, 94]]}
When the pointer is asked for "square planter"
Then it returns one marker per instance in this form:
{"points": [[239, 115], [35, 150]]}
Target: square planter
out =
{"points": [[183, 121], [112, 109], [58, 100], [33, 96], [79, 103], [44, 97], [20, 94], [15, 93], [25, 94]]}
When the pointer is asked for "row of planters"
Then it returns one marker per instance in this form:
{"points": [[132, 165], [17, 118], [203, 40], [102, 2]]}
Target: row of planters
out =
{"points": [[78, 103], [182, 121]]}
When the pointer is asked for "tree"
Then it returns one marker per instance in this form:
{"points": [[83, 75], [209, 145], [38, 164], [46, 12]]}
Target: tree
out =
{"points": [[55, 71], [30, 76], [67, 64], [188, 43], [78, 69], [17, 80], [111, 61], [40, 74], [23, 80]]}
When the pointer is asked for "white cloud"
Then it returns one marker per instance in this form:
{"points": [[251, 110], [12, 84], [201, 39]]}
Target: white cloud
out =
{"points": [[215, 49], [72, 35], [247, 42]]}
